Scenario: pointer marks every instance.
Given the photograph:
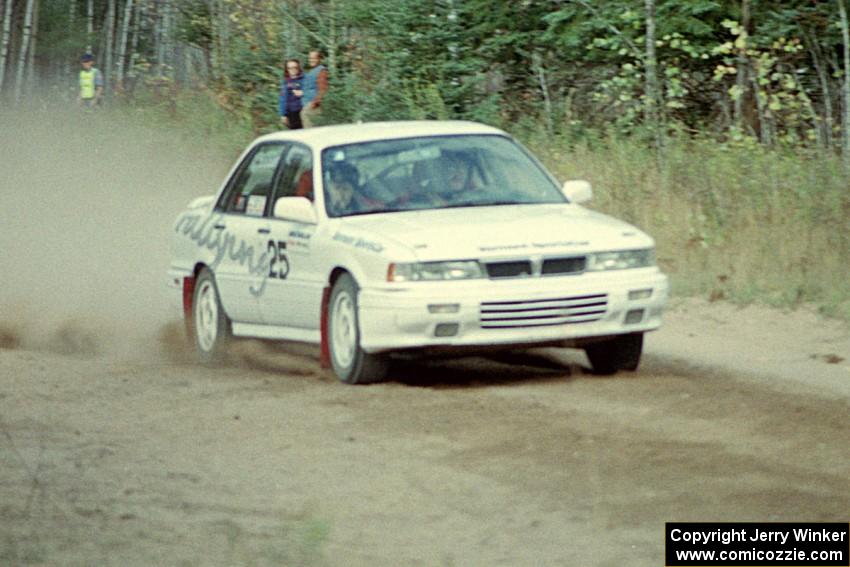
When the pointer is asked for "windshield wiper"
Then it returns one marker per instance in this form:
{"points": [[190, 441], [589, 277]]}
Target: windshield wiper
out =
{"points": [[377, 212], [484, 204], [359, 213], [438, 208]]}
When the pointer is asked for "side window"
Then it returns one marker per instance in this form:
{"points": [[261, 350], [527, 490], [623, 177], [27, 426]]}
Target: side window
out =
{"points": [[252, 186], [296, 174]]}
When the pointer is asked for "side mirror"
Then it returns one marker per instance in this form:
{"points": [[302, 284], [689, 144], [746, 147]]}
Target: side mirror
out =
{"points": [[577, 191], [298, 209]]}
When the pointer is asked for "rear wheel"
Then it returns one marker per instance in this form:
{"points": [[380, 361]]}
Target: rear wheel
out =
{"points": [[350, 363], [209, 321], [619, 353]]}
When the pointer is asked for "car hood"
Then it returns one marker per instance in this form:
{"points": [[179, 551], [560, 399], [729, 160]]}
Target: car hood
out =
{"points": [[500, 231]]}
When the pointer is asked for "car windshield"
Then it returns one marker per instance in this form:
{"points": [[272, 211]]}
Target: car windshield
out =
{"points": [[432, 173]]}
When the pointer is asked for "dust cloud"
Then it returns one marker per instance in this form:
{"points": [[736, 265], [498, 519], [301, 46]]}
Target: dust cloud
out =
{"points": [[88, 203]]}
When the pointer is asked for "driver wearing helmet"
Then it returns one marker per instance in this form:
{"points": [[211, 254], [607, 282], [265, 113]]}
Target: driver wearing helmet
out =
{"points": [[342, 197]]}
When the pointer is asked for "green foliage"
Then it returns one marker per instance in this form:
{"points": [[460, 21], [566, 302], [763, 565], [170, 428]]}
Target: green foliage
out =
{"points": [[418, 54], [196, 24], [59, 40], [193, 115], [571, 65]]}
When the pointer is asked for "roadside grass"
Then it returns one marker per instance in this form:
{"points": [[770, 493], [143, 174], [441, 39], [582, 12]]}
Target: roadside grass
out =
{"points": [[195, 116], [741, 223]]}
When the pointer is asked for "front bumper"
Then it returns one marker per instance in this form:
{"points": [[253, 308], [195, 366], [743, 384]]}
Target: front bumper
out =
{"points": [[529, 311]]}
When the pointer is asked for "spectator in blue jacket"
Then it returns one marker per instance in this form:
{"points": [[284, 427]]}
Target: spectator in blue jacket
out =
{"points": [[315, 88], [291, 95]]}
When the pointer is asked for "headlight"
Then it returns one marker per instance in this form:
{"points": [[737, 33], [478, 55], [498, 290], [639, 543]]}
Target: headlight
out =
{"points": [[621, 260], [434, 271]]}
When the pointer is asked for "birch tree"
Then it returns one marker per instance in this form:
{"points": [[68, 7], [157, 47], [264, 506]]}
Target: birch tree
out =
{"points": [[540, 72], [110, 40], [72, 23], [162, 32], [122, 44], [134, 42], [22, 55], [30, 81], [846, 116], [653, 97], [89, 24], [743, 65], [824, 137], [7, 32]]}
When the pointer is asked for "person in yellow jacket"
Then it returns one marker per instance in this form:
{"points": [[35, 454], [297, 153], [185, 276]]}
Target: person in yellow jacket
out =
{"points": [[91, 82]]}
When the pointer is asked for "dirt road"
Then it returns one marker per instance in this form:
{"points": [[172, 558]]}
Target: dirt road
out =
{"points": [[472, 462], [117, 449]]}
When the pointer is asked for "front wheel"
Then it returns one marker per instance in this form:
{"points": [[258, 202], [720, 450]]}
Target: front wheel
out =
{"points": [[350, 363], [210, 324], [619, 353]]}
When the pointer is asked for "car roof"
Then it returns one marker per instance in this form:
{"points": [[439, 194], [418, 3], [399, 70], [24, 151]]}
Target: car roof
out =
{"points": [[327, 136]]}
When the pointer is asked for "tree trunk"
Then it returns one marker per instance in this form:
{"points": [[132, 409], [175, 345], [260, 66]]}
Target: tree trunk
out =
{"points": [[4, 49], [224, 39], [22, 55], [765, 117], [122, 44], [845, 125], [211, 53], [31, 75], [89, 24], [110, 40], [167, 55], [134, 42], [743, 66], [72, 24], [537, 66], [653, 96], [824, 138], [162, 34], [332, 39]]}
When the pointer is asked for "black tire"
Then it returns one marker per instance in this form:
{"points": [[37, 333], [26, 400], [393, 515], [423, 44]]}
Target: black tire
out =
{"points": [[612, 355], [350, 363], [211, 327]]}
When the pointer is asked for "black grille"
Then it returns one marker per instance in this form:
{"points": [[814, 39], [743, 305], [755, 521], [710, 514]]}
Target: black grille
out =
{"points": [[564, 265], [509, 269]]}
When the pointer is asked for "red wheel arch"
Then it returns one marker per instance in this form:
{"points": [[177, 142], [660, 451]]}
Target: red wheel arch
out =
{"points": [[325, 351], [188, 298]]}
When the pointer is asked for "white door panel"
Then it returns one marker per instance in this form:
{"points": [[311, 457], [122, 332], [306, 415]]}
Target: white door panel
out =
{"points": [[293, 293], [293, 296], [242, 260], [241, 266]]}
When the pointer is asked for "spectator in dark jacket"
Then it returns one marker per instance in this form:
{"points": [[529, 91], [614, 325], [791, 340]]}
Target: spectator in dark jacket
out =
{"points": [[291, 94]]}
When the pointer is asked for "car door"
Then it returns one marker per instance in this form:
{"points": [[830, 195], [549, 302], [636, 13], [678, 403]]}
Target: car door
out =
{"points": [[242, 260], [294, 289]]}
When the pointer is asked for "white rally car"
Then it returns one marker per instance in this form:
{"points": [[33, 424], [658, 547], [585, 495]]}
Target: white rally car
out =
{"points": [[410, 237]]}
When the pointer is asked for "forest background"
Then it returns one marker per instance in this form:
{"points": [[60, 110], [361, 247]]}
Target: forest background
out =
{"points": [[721, 127]]}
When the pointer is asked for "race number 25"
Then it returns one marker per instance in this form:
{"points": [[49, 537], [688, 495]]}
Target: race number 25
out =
{"points": [[279, 265]]}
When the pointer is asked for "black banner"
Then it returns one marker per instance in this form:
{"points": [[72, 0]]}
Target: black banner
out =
{"points": [[757, 544]]}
